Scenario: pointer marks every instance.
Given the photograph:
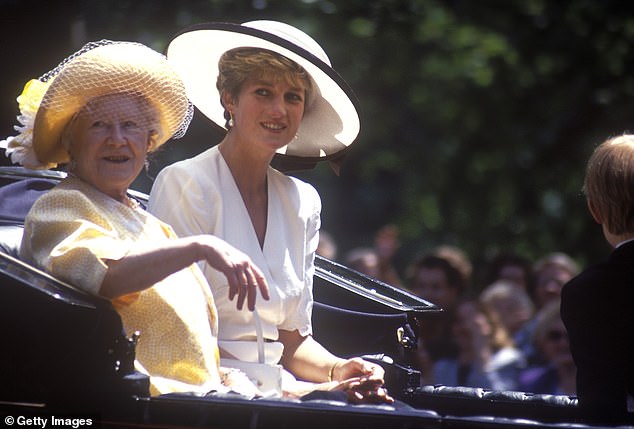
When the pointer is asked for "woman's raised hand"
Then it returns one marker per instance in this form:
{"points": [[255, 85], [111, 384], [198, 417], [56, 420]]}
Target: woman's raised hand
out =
{"points": [[243, 276]]}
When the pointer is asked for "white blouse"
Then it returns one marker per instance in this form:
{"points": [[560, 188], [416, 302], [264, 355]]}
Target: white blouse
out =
{"points": [[199, 195]]}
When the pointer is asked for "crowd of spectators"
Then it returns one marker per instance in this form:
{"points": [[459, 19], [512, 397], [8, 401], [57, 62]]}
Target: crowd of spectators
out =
{"points": [[501, 330]]}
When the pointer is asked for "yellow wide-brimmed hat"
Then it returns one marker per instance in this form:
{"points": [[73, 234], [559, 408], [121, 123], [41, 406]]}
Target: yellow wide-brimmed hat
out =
{"points": [[98, 69]]}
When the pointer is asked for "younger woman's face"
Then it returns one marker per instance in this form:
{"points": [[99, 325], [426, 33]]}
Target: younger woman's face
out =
{"points": [[267, 112]]}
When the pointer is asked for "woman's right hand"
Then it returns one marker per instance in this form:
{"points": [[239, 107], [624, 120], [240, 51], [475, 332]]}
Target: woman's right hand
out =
{"points": [[243, 276], [238, 382]]}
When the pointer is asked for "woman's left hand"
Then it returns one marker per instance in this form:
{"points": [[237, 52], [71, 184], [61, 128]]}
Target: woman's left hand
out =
{"points": [[357, 367], [364, 390], [362, 381]]}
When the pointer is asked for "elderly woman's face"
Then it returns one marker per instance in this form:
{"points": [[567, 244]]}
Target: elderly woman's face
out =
{"points": [[109, 143]]}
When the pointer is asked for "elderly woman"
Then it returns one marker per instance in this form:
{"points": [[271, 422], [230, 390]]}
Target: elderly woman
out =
{"points": [[101, 111], [279, 100]]}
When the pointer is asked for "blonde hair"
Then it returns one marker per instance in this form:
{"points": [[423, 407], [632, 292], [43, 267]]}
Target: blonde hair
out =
{"points": [[609, 183], [239, 65], [500, 337], [504, 289]]}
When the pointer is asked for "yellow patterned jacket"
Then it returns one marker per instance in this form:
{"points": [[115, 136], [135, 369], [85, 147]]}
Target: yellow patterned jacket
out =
{"points": [[73, 229]]}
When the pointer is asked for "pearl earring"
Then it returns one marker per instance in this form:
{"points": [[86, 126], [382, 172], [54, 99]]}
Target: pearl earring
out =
{"points": [[231, 122]]}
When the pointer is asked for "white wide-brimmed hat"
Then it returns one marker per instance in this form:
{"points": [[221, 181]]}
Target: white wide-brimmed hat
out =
{"points": [[331, 120], [100, 68]]}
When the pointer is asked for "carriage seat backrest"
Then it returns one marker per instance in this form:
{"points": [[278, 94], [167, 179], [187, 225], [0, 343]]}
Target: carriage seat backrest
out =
{"points": [[16, 199], [474, 401], [10, 239]]}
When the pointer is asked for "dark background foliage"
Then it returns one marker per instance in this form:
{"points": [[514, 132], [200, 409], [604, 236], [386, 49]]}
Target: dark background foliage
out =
{"points": [[477, 116]]}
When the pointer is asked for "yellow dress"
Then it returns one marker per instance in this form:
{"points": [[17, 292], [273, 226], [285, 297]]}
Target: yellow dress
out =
{"points": [[74, 228]]}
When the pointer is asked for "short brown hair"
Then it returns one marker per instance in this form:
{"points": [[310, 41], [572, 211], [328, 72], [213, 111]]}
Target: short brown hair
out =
{"points": [[609, 183], [456, 267], [237, 66]]}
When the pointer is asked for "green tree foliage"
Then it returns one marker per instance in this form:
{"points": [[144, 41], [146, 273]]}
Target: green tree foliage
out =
{"points": [[477, 116]]}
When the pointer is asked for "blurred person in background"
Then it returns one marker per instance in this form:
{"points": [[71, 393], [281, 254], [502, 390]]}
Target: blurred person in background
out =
{"points": [[557, 375], [327, 246], [511, 267], [511, 302], [441, 277], [486, 355], [364, 260], [386, 244], [550, 273]]}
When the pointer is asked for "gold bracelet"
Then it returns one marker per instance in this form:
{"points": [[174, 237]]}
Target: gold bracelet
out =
{"points": [[332, 369]]}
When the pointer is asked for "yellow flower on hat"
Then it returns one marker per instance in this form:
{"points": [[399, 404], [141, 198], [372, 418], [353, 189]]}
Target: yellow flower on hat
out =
{"points": [[20, 147], [31, 96]]}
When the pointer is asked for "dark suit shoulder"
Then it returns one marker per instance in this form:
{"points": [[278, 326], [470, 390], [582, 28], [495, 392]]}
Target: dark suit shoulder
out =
{"points": [[587, 282]]}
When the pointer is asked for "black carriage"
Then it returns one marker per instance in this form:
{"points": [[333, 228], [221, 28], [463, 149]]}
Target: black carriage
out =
{"points": [[64, 354]]}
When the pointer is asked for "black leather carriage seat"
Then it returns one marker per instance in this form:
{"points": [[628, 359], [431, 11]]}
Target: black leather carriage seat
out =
{"points": [[10, 238], [16, 199], [450, 403], [460, 401]]}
